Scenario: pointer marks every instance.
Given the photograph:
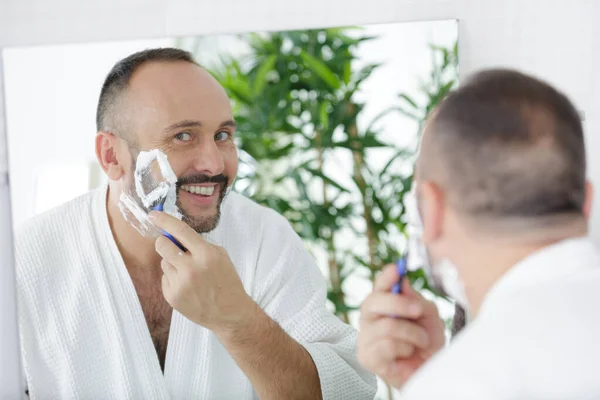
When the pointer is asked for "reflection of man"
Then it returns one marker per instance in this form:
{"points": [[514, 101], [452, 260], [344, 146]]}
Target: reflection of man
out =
{"points": [[503, 201], [97, 298]]}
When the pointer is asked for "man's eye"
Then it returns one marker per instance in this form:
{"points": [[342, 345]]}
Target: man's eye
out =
{"points": [[183, 136], [222, 136]]}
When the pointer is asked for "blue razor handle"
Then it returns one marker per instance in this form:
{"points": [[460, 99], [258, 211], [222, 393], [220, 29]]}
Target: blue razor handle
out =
{"points": [[401, 268], [166, 234]]}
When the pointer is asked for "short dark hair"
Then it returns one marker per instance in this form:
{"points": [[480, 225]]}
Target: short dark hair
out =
{"points": [[507, 145], [107, 113]]}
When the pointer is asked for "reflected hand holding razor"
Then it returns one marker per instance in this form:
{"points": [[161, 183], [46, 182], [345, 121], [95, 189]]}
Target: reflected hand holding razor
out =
{"points": [[401, 268], [159, 207], [156, 185]]}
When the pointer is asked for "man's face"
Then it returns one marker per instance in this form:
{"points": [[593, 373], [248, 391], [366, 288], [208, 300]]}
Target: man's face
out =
{"points": [[424, 237], [428, 211], [178, 108], [429, 200]]}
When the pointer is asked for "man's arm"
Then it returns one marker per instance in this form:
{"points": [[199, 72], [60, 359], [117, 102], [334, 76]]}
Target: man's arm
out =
{"points": [[203, 285], [277, 365], [291, 290]]}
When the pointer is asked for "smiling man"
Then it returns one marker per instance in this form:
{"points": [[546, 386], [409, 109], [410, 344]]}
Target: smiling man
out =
{"points": [[106, 312]]}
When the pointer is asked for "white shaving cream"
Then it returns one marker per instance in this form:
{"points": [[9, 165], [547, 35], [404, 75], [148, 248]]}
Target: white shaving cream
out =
{"points": [[136, 216], [163, 187], [161, 183]]}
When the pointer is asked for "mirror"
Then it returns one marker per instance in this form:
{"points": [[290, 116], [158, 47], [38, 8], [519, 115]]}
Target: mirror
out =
{"points": [[327, 127]]}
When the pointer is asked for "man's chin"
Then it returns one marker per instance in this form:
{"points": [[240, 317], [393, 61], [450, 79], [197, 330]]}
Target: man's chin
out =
{"points": [[202, 223]]}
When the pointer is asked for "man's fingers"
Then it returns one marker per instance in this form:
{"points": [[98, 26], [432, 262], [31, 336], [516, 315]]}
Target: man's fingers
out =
{"points": [[168, 289], [168, 250], [409, 291], [385, 352], [386, 279], [180, 230], [429, 307], [379, 356], [389, 304], [168, 269], [165, 284], [400, 330]]}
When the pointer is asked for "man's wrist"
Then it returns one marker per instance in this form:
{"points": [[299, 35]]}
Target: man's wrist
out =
{"points": [[244, 326]]}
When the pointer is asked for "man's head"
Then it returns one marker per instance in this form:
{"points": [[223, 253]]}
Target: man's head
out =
{"points": [[502, 158], [162, 99]]}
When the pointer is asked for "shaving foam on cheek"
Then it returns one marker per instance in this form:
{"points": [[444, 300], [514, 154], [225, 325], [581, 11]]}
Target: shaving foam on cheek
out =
{"points": [[136, 216], [152, 169], [155, 182], [443, 275]]}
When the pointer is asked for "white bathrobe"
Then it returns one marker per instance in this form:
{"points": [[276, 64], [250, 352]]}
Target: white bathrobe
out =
{"points": [[84, 335], [537, 335]]}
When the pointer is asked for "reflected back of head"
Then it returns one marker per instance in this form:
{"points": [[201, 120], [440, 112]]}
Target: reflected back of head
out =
{"points": [[507, 147]]}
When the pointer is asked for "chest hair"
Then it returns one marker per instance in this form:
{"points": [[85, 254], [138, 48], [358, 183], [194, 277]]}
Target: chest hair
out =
{"points": [[157, 311]]}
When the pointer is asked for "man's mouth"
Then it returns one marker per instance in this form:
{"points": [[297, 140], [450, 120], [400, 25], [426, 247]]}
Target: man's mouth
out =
{"points": [[200, 189]]}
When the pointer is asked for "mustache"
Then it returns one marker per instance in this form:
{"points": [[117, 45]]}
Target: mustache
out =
{"points": [[202, 178]]}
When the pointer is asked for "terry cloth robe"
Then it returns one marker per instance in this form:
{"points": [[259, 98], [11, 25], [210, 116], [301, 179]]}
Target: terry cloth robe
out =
{"points": [[535, 336], [84, 335]]}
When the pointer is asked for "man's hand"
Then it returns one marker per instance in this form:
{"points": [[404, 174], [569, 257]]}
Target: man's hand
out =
{"points": [[398, 333], [202, 283]]}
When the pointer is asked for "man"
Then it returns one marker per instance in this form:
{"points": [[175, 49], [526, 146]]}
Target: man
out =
{"points": [[108, 313], [503, 200]]}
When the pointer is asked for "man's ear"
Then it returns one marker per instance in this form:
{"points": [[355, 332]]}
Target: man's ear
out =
{"points": [[589, 199], [432, 211], [107, 146]]}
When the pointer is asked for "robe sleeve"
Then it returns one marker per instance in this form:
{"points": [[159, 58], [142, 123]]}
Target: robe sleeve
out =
{"points": [[291, 289]]}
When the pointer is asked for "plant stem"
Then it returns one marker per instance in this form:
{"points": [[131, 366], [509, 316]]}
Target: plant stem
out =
{"points": [[334, 270], [358, 165]]}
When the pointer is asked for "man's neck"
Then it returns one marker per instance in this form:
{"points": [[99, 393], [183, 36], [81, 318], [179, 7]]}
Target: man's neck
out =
{"points": [[137, 251], [486, 260]]}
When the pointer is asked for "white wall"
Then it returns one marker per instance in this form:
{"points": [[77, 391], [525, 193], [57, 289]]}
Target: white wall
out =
{"points": [[9, 341]]}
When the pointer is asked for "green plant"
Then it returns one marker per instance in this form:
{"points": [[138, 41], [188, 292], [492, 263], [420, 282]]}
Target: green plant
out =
{"points": [[294, 98]]}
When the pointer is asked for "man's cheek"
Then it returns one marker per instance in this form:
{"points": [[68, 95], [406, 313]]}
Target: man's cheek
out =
{"points": [[231, 167]]}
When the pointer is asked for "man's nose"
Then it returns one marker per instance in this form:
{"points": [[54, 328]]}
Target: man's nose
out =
{"points": [[209, 160]]}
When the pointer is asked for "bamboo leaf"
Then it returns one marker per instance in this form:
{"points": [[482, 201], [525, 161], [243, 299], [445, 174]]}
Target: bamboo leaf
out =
{"points": [[378, 117], [320, 69], [300, 185], [402, 153], [240, 89], [326, 179], [344, 308], [333, 32], [364, 73], [408, 113], [347, 74], [436, 98], [370, 140], [261, 75], [364, 142], [323, 115], [361, 261], [410, 101]]}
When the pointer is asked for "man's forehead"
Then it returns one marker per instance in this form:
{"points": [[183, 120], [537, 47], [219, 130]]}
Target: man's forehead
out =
{"points": [[166, 93], [176, 82]]}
